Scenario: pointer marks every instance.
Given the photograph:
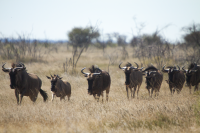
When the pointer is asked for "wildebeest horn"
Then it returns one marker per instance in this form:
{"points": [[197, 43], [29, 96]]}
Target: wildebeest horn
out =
{"points": [[99, 69], [23, 67], [96, 73], [165, 70], [5, 69], [136, 64], [184, 69], [122, 67], [178, 67], [141, 68], [83, 72]]}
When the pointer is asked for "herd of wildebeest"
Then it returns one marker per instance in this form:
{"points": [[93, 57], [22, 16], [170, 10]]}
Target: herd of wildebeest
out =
{"points": [[27, 84]]}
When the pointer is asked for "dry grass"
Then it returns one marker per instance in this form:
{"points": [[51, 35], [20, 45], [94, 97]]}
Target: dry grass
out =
{"points": [[165, 113]]}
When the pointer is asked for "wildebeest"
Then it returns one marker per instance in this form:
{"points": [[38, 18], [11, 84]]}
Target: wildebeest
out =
{"points": [[176, 78], [60, 88], [192, 76], [24, 83], [98, 81], [154, 80], [133, 78]]}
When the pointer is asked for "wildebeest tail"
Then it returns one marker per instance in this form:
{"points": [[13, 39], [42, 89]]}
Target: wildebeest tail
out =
{"points": [[44, 94]]}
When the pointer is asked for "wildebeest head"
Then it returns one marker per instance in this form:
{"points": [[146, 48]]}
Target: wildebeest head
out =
{"points": [[190, 74], [94, 75], [150, 74], [13, 72], [127, 70], [53, 80], [171, 71]]}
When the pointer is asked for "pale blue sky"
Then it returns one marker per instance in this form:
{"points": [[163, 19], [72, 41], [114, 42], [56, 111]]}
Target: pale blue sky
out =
{"points": [[53, 19]]}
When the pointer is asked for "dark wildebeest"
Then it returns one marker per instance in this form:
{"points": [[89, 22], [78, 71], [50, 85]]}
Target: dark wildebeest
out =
{"points": [[98, 81], [133, 78], [192, 76], [154, 80], [24, 83], [176, 78], [60, 88]]}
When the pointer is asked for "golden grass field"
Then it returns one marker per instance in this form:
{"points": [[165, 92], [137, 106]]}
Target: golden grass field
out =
{"points": [[165, 113]]}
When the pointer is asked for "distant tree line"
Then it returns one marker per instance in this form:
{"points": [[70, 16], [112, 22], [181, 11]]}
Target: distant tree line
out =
{"points": [[152, 47]]}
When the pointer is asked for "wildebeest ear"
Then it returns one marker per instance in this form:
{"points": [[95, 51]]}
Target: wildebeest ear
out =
{"points": [[85, 75], [60, 77], [48, 77]]}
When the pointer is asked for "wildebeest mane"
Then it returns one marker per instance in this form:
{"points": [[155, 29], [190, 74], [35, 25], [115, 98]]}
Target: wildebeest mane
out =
{"points": [[128, 64], [151, 68], [94, 69], [191, 65]]}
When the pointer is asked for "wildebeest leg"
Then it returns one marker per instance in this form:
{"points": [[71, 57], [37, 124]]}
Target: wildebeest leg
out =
{"points": [[127, 92], [152, 91], [102, 96], [94, 95], [68, 97], [174, 90], [133, 96], [17, 96], [196, 88], [149, 92], [53, 95], [190, 88], [62, 97], [21, 97], [171, 90], [107, 92], [98, 96], [33, 97], [138, 89]]}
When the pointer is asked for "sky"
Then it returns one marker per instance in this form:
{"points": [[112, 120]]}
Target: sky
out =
{"points": [[54, 19]]}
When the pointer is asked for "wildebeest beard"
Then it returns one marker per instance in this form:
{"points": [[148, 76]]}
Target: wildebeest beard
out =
{"points": [[127, 82], [171, 74], [12, 79], [90, 84], [53, 84]]}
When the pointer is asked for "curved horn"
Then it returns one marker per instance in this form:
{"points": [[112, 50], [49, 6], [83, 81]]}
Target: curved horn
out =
{"points": [[141, 68], [165, 70], [5, 69], [99, 70], [122, 67], [83, 72], [136, 64], [20, 67], [184, 69], [96, 73], [178, 67]]}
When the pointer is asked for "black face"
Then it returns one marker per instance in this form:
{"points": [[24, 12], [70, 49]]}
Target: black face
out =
{"points": [[188, 78], [53, 84], [171, 74], [127, 74], [13, 74], [148, 81], [90, 84]]}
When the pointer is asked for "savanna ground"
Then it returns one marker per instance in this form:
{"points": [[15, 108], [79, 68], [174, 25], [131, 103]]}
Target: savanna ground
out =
{"points": [[165, 113]]}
